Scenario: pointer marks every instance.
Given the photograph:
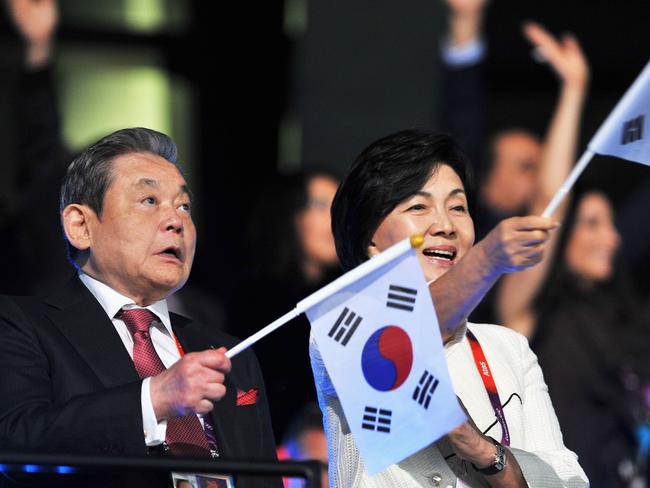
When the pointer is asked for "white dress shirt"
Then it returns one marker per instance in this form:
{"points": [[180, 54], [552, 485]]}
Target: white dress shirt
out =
{"points": [[163, 341]]}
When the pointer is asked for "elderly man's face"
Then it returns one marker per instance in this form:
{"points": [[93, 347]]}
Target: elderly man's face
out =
{"points": [[143, 245]]}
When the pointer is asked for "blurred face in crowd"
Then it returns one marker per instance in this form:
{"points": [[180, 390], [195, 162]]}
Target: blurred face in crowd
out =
{"points": [[313, 445], [143, 244], [314, 226], [594, 240], [439, 212], [512, 181]]}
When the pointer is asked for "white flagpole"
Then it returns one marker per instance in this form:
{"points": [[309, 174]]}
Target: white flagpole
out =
{"points": [[276, 324], [348, 278], [568, 183], [360, 271]]}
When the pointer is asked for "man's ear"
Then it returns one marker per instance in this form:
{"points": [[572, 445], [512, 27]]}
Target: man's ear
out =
{"points": [[76, 219], [372, 250]]}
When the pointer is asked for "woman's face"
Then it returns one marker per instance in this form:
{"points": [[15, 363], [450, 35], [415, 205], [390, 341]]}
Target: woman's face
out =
{"points": [[314, 224], [594, 240], [439, 212]]}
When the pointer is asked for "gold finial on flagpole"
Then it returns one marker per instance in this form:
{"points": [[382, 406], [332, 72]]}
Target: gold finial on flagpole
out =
{"points": [[417, 240]]}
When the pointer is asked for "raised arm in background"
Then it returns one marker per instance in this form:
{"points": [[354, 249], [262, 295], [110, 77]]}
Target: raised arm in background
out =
{"points": [[36, 22], [461, 76], [40, 151], [517, 291], [37, 117]]}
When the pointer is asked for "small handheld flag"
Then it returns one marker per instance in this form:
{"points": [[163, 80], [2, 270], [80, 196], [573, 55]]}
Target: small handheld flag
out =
{"points": [[360, 271], [379, 337], [624, 134], [380, 342]]}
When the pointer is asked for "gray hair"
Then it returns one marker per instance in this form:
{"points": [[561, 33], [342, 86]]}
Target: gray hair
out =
{"points": [[91, 173]]}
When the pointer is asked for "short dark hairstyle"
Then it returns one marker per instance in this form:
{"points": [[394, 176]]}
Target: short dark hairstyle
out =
{"points": [[386, 173], [91, 173]]}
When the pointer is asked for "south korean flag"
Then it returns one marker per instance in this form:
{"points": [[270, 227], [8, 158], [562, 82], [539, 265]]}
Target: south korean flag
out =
{"points": [[380, 341]]}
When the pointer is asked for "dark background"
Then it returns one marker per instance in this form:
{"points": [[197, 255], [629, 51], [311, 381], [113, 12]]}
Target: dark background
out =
{"points": [[360, 70]]}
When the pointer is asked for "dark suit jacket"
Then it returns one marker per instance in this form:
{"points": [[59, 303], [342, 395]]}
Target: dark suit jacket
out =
{"points": [[68, 385]]}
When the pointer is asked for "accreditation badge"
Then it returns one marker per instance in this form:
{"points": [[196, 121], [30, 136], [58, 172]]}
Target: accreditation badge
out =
{"points": [[194, 480]]}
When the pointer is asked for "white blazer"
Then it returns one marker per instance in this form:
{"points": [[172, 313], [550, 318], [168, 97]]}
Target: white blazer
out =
{"points": [[535, 437]]}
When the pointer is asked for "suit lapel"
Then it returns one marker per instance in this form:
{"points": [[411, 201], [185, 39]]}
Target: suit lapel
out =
{"points": [[193, 338], [190, 334], [82, 320]]}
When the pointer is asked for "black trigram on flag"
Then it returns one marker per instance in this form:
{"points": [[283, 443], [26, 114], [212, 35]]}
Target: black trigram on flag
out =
{"points": [[376, 419], [401, 297], [632, 130], [424, 391], [344, 327]]}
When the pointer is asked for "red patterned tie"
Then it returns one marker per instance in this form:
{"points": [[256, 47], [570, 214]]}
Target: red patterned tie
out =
{"points": [[185, 436]]}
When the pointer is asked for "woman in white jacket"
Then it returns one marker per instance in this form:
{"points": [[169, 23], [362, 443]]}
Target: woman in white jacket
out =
{"points": [[418, 183]]}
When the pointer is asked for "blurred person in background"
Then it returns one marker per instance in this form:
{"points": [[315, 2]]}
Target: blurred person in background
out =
{"points": [[523, 173], [292, 219], [305, 440], [520, 174], [585, 323], [518, 167], [33, 227], [291, 254]]}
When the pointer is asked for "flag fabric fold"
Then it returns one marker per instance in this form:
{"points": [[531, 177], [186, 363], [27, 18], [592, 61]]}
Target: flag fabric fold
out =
{"points": [[380, 341], [624, 133]]}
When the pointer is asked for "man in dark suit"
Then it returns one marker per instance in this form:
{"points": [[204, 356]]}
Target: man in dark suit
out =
{"points": [[101, 366]]}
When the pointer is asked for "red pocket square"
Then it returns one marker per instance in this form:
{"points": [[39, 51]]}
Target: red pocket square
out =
{"points": [[246, 397]]}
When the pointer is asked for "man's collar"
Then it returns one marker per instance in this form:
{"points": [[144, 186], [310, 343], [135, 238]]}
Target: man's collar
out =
{"points": [[112, 301]]}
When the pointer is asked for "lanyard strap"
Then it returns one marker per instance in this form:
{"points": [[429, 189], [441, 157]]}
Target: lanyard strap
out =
{"points": [[178, 345], [490, 386]]}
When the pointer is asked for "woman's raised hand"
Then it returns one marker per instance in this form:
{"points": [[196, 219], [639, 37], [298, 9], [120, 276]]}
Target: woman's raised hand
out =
{"points": [[517, 243]]}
